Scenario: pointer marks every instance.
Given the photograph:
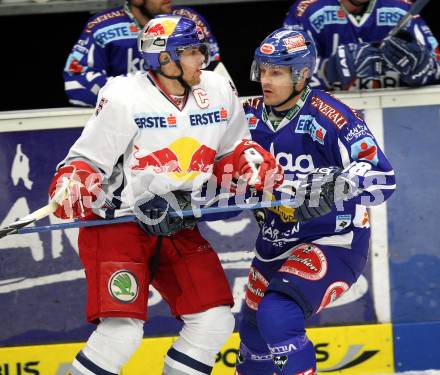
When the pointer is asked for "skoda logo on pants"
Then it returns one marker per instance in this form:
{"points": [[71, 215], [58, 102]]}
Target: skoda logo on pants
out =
{"points": [[123, 286]]}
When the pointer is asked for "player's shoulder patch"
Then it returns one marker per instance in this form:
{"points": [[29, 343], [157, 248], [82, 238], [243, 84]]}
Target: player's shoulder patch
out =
{"points": [[104, 16], [302, 7], [331, 108]]}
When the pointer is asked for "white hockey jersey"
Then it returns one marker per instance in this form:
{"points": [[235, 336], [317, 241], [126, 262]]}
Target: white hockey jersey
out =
{"points": [[143, 143]]}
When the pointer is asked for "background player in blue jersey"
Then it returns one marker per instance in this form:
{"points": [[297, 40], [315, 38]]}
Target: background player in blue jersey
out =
{"points": [[308, 256], [349, 37], [107, 47]]}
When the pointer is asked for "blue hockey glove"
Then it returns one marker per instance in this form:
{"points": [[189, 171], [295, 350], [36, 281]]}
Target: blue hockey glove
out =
{"points": [[353, 61], [415, 63], [154, 218], [319, 190]]}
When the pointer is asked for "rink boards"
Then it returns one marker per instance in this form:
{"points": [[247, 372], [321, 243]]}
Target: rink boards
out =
{"points": [[42, 286], [349, 350]]}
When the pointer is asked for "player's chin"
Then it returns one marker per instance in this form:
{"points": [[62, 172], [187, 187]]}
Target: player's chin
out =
{"points": [[269, 98], [195, 79], [166, 6]]}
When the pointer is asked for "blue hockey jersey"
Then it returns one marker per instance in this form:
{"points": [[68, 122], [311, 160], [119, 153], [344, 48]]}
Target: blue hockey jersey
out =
{"points": [[107, 47], [320, 131], [331, 25]]}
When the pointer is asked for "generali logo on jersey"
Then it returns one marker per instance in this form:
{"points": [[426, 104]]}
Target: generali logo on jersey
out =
{"points": [[330, 112]]}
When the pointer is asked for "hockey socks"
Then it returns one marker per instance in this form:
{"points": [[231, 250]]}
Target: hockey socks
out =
{"points": [[254, 357], [84, 366], [282, 325], [294, 357]]}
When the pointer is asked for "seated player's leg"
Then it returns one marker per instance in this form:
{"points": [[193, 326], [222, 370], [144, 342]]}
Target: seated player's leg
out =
{"points": [[192, 281], [114, 258], [306, 282], [254, 357]]}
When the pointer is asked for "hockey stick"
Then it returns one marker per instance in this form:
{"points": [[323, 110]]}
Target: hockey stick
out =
{"points": [[29, 219], [132, 218], [415, 9], [36, 215]]}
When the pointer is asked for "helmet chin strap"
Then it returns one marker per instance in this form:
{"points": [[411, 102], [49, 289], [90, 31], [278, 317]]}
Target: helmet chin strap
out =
{"points": [[178, 78], [292, 95]]}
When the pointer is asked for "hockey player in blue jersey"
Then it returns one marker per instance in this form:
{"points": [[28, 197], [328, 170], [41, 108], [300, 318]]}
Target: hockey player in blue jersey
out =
{"points": [[307, 256], [355, 51], [107, 47]]}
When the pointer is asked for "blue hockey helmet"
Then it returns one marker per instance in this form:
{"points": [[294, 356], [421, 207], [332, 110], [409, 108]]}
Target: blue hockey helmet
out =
{"points": [[285, 47], [172, 34]]}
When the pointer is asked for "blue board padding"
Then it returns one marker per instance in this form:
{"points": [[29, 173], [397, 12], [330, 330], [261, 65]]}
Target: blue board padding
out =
{"points": [[416, 346], [412, 143]]}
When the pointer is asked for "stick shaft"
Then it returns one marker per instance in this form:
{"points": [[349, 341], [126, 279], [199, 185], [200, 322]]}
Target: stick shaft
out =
{"points": [[132, 218], [415, 9]]}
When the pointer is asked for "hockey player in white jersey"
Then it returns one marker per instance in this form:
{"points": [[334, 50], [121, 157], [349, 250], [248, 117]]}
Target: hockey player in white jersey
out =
{"points": [[154, 138], [107, 47]]}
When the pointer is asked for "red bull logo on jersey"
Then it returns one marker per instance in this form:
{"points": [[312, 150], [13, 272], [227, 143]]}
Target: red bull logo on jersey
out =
{"points": [[327, 15], [365, 149], [389, 16], [217, 117], [155, 121], [308, 125], [184, 159]]}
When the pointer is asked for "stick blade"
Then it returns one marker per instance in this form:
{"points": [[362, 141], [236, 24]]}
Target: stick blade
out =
{"points": [[14, 227]]}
